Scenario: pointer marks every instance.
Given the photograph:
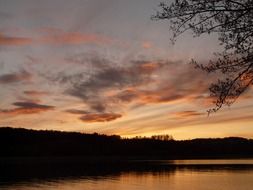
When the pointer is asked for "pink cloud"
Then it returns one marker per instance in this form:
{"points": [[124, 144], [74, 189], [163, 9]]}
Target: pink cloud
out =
{"points": [[35, 93], [26, 108], [147, 45], [100, 117], [14, 41], [58, 36], [190, 113], [15, 77]]}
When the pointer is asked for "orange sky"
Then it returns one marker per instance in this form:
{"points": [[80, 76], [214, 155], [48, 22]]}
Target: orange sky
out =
{"points": [[106, 67]]}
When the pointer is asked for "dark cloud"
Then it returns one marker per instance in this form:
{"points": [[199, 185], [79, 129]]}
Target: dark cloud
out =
{"points": [[31, 105], [28, 99], [127, 95], [98, 106], [111, 86], [76, 111], [91, 91], [35, 93], [14, 41], [15, 77], [111, 77], [89, 59], [94, 117], [26, 108], [34, 96], [101, 117]]}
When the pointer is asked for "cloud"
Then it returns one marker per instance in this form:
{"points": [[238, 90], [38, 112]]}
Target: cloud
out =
{"points": [[35, 93], [94, 117], [32, 96], [78, 112], [26, 108], [91, 59], [58, 36], [14, 41], [54, 36], [31, 105], [114, 85], [74, 38], [128, 95], [187, 114], [101, 117], [15, 77], [106, 75], [32, 60], [103, 79], [162, 95], [170, 82], [147, 45]]}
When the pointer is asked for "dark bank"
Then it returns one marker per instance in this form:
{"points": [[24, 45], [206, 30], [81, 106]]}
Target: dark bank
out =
{"points": [[23, 143]]}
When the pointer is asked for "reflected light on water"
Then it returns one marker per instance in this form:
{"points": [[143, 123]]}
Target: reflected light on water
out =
{"points": [[184, 175]]}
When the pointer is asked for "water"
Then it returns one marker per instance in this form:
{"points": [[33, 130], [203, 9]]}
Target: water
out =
{"points": [[141, 175]]}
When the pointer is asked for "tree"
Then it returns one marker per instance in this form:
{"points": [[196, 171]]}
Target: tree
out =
{"points": [[232, 20], [162, 137]]}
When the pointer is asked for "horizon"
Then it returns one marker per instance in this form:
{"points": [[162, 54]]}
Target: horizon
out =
{"points": [[112, 71], [122, 137]]}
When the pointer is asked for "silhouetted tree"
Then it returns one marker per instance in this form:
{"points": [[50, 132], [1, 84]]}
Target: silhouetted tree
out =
{"points": [[162, 137], [24, 143], [233, 21]]}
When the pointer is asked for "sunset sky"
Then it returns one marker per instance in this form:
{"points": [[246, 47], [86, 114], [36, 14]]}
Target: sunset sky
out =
{"points": [[104, 66]]}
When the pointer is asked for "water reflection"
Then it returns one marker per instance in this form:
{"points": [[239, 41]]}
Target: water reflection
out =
{"points": [[134, 175]]}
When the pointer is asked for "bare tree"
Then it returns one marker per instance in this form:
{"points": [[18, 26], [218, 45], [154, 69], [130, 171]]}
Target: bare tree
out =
{"points": [[233, 21]]}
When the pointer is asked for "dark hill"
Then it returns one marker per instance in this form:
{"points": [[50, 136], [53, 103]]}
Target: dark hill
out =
{"points": [[16, 142]]}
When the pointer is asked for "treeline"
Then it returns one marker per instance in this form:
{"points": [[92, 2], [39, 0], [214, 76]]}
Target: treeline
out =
{"points": [[16, 142]]}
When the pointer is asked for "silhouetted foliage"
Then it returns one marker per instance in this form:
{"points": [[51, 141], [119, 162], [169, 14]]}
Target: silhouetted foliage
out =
{"points": [[162, 137], [31, 143], [233, 21]]}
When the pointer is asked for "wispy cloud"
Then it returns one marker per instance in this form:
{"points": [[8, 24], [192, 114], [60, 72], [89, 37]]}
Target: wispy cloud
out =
{"points": [[107, 84], [35, 93], [111, 87], [20, 76], [14, 41], [100, 117], [89, 117], [146, 45], [53, 36], [104, 79], [76, 111], [33, 96], [26, 108], [73, 38], [187, 114]]}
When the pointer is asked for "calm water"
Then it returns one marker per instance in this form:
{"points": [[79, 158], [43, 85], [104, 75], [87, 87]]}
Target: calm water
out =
{"points": [[160, 175]]}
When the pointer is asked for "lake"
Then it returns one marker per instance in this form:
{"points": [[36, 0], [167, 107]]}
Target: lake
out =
{"points": [[134, 175]]}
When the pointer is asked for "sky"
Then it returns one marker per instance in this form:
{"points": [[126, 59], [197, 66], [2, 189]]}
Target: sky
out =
{"points": [[106, 67]]}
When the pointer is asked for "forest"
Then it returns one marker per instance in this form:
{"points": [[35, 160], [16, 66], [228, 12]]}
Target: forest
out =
{"points": [[19, 142]]}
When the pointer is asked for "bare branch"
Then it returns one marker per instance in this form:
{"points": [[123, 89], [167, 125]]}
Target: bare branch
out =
{"points": [[233, 21]]}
